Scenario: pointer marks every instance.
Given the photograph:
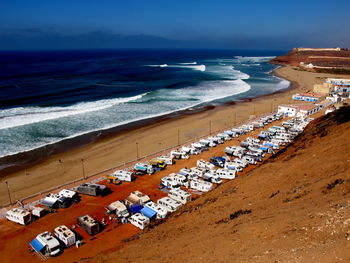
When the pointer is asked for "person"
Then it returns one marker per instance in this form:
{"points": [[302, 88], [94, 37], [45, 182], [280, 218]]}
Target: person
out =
{"points": [[78, 243]]}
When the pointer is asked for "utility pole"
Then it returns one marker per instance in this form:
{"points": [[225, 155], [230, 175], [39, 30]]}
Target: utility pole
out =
{"points": [[137, 151], [210, 127], [178, 137], [83, 167], [271, 105], [8, 191], [235, 118]]}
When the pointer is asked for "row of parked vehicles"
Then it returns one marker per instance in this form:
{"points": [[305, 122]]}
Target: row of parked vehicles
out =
{"points": [[140, 210]]}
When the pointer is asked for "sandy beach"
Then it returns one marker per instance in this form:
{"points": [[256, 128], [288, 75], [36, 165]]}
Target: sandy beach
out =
{"points": [[125, 146]]}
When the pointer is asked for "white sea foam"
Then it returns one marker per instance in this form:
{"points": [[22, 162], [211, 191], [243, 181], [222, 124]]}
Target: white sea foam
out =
{"points": [[19, 116], [188, 63], [227, 71], [182, 65], [252, 60]]}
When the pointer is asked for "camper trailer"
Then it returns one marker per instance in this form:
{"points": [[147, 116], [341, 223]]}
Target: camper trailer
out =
{"points": [[233, 166], [201, 185], [39, 212], [92, 189], [139, 220], [50, 201], [180, 195], [118, 208], [212, 177], [19, 216], [226, 174], [181, 179], [89, 224], [179, 155], [207, 143], [66, 235], [123, 175], [161, 212], [46, 244], [169, 204]]}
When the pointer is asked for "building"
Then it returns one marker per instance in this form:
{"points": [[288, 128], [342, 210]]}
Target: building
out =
{"points": [[293, 110], [339, 85], [310, 97]]}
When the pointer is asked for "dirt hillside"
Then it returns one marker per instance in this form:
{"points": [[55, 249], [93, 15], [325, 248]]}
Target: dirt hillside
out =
{"points": [[293, 208]]}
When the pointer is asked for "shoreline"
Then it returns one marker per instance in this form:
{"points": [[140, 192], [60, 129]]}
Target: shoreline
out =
{"points": [[125, 146], [22, 160]]}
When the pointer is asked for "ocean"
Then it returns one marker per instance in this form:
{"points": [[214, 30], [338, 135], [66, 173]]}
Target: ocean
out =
{"points": [[50, 96]]}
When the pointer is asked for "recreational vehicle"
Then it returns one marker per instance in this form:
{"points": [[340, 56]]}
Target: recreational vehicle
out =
{"points": [[70, 194], [118, 208], [19, 215], [212, 177], [233, 166], [123, 175], [226, 174], [169, 204], [167, 159], [89, 224], [92, 189], [158, 163], [169, 182], [180, 195], [201, 185], [204, 164], [139, 220], [207, 143], [144, 168], [179, 155], [225, 137], [161, 212], [46, 244], [140, 197], [66, 235]]}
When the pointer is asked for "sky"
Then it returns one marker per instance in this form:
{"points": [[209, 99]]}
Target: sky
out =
{"points": [[202, 24]]}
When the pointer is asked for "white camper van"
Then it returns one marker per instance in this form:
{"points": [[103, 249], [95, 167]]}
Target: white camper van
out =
{"points": [[201, 185], [204, 164], [66, 235], [123, 175], [226, 174], [161, 212], [180, 195], [139, 220], [118, 208], [19, 215], [169, 204]]}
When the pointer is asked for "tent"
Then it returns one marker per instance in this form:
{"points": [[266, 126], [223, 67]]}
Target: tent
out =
{"points": [[36, 245], [148, 212]]}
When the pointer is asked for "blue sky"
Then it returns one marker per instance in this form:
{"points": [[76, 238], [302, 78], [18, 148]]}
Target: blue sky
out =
{"points": [[252, 24]]}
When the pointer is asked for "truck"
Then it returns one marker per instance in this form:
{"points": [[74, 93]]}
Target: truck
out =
{"points": [[66, 235], [46, 244], [123, 175], [144, 168], [117, 208], [158, 163], [92, 189], [89, 224], [218, 161], [19, 216], [180, 195]]}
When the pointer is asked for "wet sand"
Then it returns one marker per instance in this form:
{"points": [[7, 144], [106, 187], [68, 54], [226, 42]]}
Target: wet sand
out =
{"points": [[126, 145]]}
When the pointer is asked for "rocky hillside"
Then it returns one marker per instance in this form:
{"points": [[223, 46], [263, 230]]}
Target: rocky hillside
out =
{"points": [[293, 208]]}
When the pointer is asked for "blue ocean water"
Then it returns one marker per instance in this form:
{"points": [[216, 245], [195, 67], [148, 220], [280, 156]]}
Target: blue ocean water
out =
{"points": [[49, 96]]}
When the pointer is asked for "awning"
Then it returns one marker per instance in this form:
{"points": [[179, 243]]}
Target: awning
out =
{"points": [[148, 212], [36, 245]]}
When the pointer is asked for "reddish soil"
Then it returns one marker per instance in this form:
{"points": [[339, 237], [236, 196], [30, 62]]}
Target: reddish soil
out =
{"points": [[317, 58], [293, 208], [15, 238]]}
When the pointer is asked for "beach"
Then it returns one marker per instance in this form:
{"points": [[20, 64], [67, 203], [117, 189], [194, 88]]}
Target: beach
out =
{"points": [[125, 146]]}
